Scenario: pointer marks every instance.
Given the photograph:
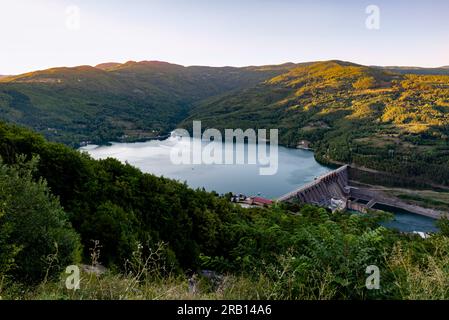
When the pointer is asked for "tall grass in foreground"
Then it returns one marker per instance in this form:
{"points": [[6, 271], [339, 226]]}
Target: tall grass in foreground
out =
{"points": [[425, 277], [407, 276]]}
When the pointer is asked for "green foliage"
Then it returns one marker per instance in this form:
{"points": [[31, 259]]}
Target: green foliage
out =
{"points": [[388, 119], [118, 205], [115, 229], [399, 125], [8, 250], [306, 246], [131, 101], [443, 224], [33, 225], [152, 229]]}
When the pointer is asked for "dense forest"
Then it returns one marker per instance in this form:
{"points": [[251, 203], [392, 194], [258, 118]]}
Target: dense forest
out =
{"points": [[393, 119], [134, 100], [348, 113], [60, 207]]}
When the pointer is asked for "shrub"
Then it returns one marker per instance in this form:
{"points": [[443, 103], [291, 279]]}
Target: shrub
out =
{"points": [[33, 226], [443, 224], [364, 83]]}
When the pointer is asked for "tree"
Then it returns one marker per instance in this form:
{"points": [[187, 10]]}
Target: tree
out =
{"points": [[443, 224], [33, 225], [8, 250], [116, 231]]}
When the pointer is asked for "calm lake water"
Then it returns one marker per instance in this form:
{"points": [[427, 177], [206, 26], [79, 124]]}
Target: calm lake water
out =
{"points": [[295, 167]]}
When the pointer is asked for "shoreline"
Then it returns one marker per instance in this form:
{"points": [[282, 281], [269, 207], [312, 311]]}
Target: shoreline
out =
{"points": [[330, 164]]}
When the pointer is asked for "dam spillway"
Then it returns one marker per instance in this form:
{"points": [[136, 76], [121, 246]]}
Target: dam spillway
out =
{"points": [[326, 191], [335, 192]]}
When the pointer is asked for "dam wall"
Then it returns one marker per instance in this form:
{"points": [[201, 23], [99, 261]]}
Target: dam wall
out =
{"points": [[333, 185], [333, 191]]}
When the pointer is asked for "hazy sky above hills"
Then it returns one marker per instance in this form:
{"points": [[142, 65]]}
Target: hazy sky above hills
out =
{"points": [[38, 34]]}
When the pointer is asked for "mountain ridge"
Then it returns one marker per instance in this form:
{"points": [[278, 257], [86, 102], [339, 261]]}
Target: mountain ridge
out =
{"points": [[444, 70], [114, 101], [370, 116], [347, 113], [111, 65]]}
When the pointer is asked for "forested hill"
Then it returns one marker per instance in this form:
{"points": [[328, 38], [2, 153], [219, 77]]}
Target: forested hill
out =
{"points": [[348, 113], [392, 119], [416, 70], [59, 207], [114, 101], [152, 232]]}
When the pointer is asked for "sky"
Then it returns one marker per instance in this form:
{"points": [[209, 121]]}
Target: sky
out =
{"points": [[39, 34]]}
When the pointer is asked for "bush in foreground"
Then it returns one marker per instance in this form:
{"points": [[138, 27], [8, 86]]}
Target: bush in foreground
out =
{"points": [[35, 237]]}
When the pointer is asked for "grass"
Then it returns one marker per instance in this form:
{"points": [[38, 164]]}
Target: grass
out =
{"points": [[425, 201], [427, 280], [408, 273]]}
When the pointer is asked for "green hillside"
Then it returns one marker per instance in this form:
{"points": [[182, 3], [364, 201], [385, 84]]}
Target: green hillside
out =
{"points": [[416, 70], [392, 119], [59, 207], [116, 101], [349, 113]]}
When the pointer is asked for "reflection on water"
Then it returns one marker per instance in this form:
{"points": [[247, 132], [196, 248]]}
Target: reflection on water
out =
{"points": [[296, 168]]}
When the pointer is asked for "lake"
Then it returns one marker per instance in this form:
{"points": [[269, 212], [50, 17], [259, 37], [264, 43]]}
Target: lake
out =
{"points": [[296, 167]]}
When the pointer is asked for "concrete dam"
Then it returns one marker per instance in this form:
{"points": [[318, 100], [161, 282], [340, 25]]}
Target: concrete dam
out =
{"points": [[334, 191], [328, 191]]}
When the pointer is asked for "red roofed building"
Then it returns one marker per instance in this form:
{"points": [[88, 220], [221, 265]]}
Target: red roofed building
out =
{"points": [[261, 201]]}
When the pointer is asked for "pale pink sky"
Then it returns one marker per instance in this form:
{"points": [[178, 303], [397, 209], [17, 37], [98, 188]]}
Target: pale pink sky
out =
{"points": [[34, 33]]}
